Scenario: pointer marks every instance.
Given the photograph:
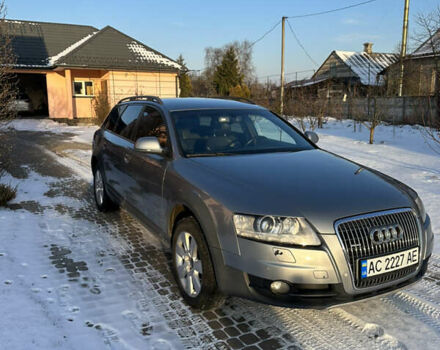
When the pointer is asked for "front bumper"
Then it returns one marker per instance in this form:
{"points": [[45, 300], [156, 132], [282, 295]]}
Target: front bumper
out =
{"points": [[318, 277]]}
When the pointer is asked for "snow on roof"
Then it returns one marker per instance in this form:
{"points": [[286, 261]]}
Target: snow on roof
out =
{"points": [[13, 21], [430, 46], [53, 59], [306, 82], [367, 66], [143, 54]]}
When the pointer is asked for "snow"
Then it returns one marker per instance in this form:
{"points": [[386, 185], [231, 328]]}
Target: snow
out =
{"points": [[42, 310], [39, 309], [83, 134], [143, 54], [21, 22], [51, 61], [306, 82], [367, 66]]}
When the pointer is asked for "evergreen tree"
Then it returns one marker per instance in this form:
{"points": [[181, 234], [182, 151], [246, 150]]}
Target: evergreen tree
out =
{"points": [[227, 75], [184, 79]]}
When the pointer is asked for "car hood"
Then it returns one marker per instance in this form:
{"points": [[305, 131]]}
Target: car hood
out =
{"points": [[313, 184]]}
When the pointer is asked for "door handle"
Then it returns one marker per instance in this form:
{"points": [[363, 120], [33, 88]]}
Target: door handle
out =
{"points": [[127, 158]]}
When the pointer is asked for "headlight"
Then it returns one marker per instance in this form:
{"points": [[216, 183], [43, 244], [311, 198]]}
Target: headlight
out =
{"points": [[421, 208], [288, 230]]}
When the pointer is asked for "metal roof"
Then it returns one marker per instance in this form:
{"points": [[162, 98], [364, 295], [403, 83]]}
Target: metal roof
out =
{"points": [[48, 45], [306, 82], [35, 42], [367, 66], [430, 47]]}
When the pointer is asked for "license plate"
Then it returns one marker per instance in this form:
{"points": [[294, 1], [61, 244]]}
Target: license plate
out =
{"points": [[388, 263]]}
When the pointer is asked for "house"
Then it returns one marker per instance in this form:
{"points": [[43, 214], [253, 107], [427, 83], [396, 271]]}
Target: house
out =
{"points": [[63, 67], [346, 73], [421, 68]]}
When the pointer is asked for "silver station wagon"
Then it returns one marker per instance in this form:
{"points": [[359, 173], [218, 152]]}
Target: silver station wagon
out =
{"points": [[251, 207]]}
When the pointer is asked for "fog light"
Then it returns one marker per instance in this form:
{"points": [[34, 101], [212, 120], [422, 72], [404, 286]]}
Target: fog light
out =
{"points": [[279, 287]]}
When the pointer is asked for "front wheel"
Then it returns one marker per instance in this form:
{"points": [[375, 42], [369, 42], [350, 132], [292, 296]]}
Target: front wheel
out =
{"points": [[192, 266]]}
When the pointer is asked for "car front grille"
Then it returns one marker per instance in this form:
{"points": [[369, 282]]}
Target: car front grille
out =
{"points": [[354, 236]]}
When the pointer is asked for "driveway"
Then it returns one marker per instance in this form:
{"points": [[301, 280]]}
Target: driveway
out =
{"points": [[103, 281]]}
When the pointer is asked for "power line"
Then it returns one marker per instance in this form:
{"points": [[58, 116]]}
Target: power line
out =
{"points": [[302, 16], [333, 10], [264, 35], [301, 45], [290, 73]]}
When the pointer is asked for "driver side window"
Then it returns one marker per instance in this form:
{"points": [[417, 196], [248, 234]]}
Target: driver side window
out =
{"points": [[150, 123]]}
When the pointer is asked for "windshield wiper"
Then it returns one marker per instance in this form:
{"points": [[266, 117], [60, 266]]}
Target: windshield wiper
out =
{"points": [[218, 154]]}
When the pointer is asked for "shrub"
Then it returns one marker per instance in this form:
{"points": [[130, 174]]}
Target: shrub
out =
{"points": [[101, 106], [240, 91], [7, 193]]}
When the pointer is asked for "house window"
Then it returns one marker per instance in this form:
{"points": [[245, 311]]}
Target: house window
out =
{"points": [[83, 88]]}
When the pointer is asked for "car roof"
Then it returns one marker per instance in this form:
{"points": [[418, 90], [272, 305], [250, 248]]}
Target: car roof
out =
{"points": [[191, 103]]}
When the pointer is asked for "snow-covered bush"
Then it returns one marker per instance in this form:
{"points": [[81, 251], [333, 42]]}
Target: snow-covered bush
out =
{"points": [[7, 193]]}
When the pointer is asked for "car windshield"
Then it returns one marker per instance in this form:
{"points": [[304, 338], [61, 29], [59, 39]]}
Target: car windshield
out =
{"points": [[228, 132]]}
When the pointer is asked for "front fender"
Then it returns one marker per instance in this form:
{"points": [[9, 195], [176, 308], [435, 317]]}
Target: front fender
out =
{"points": [[214, 218]]}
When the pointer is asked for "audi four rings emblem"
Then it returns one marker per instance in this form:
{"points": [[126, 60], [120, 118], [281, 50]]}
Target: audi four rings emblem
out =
{"points": [[386, 234]]}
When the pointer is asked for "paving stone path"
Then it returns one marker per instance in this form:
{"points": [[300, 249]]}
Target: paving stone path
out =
{"points": [[106, 258]]}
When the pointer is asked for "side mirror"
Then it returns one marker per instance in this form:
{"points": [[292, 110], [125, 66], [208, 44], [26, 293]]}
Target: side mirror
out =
{"points": [[312, 136], [149, 144]]}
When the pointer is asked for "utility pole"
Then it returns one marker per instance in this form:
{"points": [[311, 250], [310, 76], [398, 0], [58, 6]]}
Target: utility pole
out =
{"points": [[403, 45], [283, 20]]}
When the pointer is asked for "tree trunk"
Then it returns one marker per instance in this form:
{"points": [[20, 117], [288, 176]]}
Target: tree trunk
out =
{"points": [[371, 135], [320, 122]]}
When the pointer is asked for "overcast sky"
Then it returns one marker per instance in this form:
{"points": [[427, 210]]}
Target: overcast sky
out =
{"points": [[187, 27]]}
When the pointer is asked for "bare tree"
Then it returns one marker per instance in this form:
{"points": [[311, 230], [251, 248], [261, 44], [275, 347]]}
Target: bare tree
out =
{"points": [[427, 36], [201, 85], [372, 116], [310, 108], [244, 54]]}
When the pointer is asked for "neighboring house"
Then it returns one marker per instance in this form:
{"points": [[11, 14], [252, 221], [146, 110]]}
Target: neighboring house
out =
{"points": [[420, 70], [62, 67], [346, 72]]}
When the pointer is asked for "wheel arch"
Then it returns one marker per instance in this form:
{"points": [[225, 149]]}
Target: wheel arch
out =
{"points": [[203, 217], [179, 212], [94, 163]]}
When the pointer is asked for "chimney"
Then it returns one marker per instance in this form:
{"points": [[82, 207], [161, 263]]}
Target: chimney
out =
{"points": [[368, 48]]}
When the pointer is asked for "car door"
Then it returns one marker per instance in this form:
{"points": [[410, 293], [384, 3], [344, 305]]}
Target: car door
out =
{"points": [[147, 170], [119, 140], [108, 153]]}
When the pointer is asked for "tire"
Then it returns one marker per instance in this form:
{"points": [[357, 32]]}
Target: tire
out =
{"points": [[191, 258], [102, 200]]}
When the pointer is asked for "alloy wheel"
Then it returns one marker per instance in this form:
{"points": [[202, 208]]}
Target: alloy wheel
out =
{"points": [[188, 264], [99, 187]]}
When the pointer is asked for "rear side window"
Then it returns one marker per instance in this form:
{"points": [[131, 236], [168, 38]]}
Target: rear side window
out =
{"points": [[126, 125], [113, 117]]}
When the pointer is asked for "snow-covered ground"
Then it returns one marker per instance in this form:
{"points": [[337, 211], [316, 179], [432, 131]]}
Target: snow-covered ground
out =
{"points": [[81, 133], [64, 280]]}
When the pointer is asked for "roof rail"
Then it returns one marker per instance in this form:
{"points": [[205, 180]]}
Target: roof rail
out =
{"points": [[155, 99], [238, 99]]}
